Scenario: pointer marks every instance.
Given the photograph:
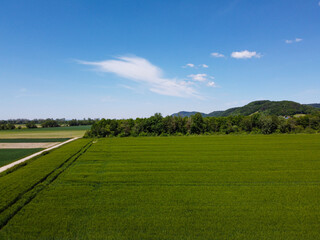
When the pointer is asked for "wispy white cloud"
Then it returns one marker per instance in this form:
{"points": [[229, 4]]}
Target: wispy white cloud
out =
{"points": [[217, 55], [200, 77], [245, 54], [293, 41], [142, 71], [204, 65], [319, 3], [191, 65], [211, 84]]}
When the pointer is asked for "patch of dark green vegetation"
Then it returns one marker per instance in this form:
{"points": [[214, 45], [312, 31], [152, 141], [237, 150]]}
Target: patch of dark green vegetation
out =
{"points": [[10, 155], [32, 140], [199, 187]]}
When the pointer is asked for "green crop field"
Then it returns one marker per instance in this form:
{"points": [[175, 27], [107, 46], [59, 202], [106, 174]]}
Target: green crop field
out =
{"points": [[205, 187], [9, 155], [58, 132]]}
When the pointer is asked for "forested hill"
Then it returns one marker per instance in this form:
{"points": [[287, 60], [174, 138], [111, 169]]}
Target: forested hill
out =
{"points": [[316, 105], [186, 114], [279, 108]]}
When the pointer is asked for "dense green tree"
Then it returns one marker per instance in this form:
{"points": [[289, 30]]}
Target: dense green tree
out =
{"points": [[197, 124], [50, 123], [31, 124]]}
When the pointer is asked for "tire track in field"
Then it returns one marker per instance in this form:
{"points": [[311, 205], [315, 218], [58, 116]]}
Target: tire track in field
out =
{"points": [[39, 182], [9, 211]]}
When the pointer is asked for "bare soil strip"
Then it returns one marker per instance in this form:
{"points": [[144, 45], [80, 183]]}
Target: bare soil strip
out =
{"points": [[27, 145], [4, 168]]}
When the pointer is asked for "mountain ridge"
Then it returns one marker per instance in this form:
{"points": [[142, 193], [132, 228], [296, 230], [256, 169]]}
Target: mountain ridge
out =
{"points": [[263, 106]]}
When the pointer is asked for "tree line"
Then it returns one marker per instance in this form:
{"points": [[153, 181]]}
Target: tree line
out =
{"points": [[158, 125], [44, 123]]}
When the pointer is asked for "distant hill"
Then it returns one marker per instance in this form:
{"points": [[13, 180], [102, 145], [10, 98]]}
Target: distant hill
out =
{"points": [[265, 106], [316, 105], [186, 114]]}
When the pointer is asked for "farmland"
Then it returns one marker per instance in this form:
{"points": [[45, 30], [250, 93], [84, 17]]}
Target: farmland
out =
{"points": [[57, 132], [31, 140], [32, 137], [10, 155], [12, 149], [197, 187]]}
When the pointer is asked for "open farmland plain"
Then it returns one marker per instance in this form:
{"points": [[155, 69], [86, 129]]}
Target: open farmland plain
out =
{"points": [[19, 143], [206, 187], [12, 149], [55, 132]]}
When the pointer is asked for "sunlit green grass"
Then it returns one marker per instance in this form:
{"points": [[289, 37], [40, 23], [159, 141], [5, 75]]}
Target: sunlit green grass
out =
{"points": [[215, 187]]}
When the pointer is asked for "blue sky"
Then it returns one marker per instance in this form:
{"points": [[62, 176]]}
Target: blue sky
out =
{"points": [[121, 59]]}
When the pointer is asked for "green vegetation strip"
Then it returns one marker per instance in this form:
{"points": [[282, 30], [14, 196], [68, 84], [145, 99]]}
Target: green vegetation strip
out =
{"points": [[32, 140], [204, 187], [10, 155]]}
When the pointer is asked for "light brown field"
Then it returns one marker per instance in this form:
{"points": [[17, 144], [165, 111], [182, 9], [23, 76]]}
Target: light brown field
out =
{"points": [[27, 145]]}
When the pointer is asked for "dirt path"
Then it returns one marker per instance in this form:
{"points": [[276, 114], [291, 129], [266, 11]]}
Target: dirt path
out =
{"points": [[4, 168]]}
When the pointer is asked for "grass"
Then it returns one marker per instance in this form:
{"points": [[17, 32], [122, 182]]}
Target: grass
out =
{"points": [[206, 187], [32, 140], [58, 132], [9, 155]]}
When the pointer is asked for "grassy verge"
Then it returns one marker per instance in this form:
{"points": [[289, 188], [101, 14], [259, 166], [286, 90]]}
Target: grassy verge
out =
{"points": [[206, 187]]}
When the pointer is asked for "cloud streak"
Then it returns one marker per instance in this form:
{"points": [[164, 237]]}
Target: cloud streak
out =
{"points": [[293, 41], [245, 55], [217, 55], [191, 65], [142, 71]]}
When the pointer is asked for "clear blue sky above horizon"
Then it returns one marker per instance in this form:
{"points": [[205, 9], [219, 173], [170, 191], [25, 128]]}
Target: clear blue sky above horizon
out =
{"points": [[128, 59]]}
